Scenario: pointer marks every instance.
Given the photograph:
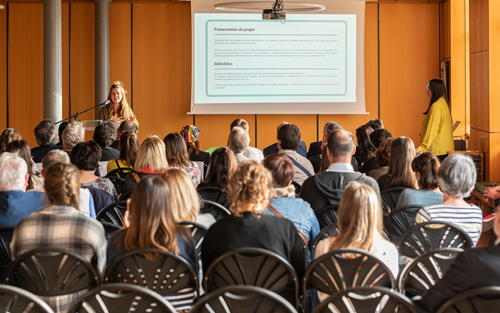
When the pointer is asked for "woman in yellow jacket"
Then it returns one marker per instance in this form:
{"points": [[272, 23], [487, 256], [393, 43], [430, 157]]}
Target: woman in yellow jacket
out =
{"points": [[437, 132]]}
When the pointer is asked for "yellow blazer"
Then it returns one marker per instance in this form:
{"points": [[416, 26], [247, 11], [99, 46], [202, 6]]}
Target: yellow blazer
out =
{"points": [[437, 134]]}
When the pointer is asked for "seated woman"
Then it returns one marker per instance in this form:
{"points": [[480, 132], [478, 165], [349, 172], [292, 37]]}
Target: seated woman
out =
{"points": [[457, 178], [177, 157], [360, 226], [62, 225], [283, 202], [129, 148], [8, 135], [221, 167], [151, 161], [149, 223], [425, 167], [191, 134], [85, 156], [248, 227], [400, 173], [22, 149], [365, 149], [382, 159]]}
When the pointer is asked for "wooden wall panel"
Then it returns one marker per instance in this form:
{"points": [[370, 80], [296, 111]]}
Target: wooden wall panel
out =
{"points": [[25, 68], [478, 21], [409, 58], [479, 89], [120, 45], [480, 140], [83, 60], [65, 59], [266, 128], [3, 67], [162, 67], [445, 30], [214, 129]]}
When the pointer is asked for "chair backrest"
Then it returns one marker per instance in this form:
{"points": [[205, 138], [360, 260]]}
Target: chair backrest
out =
{"points": [[113, 213], [432, 235], [213, 208], [167, 274], [327, 216], [400, 221], [17, 300], [425, 271], [215, 194], [254, 267], [326, 232], [122, 298], [120, 172], [484, 299], [125, 196], [297, 187], [198, 232], [366, 299], [52, 272], [390, 198], [242, 299], [119, 184], [109, 228]]}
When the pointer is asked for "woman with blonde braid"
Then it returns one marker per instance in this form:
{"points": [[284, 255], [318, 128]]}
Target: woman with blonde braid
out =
{"points": [[61, 225]]}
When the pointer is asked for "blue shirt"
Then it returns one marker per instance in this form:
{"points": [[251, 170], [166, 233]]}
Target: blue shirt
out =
{"points": [[17, 204]]}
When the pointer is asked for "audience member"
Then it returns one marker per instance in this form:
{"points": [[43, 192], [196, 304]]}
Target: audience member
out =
{"points": [[104, 135], [125, 126], [251, 153], [237, 142], [151, 161], [191, 135], [22, 149], [8, 135], [129, 147], [73, 134], [288, 143], [60, 131], [375, 124], [149, 223], [457, 178], [302, 150], [62, 226], [45, 135], [376, 138], [425, 167], [399, 173], [326, 188], [177, 157], [85, 156], [15, 202], [382, 158], [365, 149], [282, 198], [183, 200]]}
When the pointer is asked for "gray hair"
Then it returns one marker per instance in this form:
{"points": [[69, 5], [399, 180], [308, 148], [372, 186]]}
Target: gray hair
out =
{"points": [[457, 175], [330, 127], [13, 170], [45, 132], [53, 157], [238, 140], [72, 135]]}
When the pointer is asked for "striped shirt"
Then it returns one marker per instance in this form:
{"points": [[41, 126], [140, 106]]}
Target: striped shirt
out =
{"points": [[470, 219]]}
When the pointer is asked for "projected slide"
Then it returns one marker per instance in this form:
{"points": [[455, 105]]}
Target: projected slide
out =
{"points": [[244, 59]]}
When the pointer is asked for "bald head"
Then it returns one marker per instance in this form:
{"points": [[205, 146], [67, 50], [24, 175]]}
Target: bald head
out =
{"points": [[340, 146]]}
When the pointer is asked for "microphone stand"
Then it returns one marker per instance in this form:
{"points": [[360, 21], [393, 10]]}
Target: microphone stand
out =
{"points": [[75, 116]]}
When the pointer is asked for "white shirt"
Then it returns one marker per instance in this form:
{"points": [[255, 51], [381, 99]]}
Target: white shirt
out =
{"points": [[340, 167]]}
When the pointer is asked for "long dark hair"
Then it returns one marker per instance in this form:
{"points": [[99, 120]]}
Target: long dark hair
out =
{"points": [[222, 166], [22, 149], [438, 90], [129, 148]]}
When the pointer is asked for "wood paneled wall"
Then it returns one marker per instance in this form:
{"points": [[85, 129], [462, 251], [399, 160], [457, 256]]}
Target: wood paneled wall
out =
{"points": [[151, 53]]}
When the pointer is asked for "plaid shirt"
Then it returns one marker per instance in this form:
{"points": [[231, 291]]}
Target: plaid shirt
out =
{"points": [[62, 227]]}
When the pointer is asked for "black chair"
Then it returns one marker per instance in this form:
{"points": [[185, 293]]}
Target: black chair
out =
{"points": [[366, 299], [197, 233], [52, 272], [109, 228], [125, 196], [326, 232], [213, 208], [242, 299], [215, 194], [119, 184], [399, 221], [425, 271], [390, 198], [345, 268], [254, 267], [113, 213], [120, 172], [167, 274], [327, 216], [297, 188], [121, 298], [432, 235], [479, 300], [5, 257], [17, 300]]}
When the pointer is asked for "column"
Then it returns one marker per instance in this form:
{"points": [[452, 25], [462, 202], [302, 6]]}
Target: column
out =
{"points": [[101, 51]]}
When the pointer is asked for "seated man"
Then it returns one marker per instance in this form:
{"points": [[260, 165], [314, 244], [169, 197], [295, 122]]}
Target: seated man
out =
{"points": [[288, 143], [104, 135], [302, 150], [326, 188], [72, 135], [45, 135], [125, 126], [238, 142], [250, 152], [15, 202]]}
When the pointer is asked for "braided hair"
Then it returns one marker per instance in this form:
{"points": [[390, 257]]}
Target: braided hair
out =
{"points": [[62, 184]]}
